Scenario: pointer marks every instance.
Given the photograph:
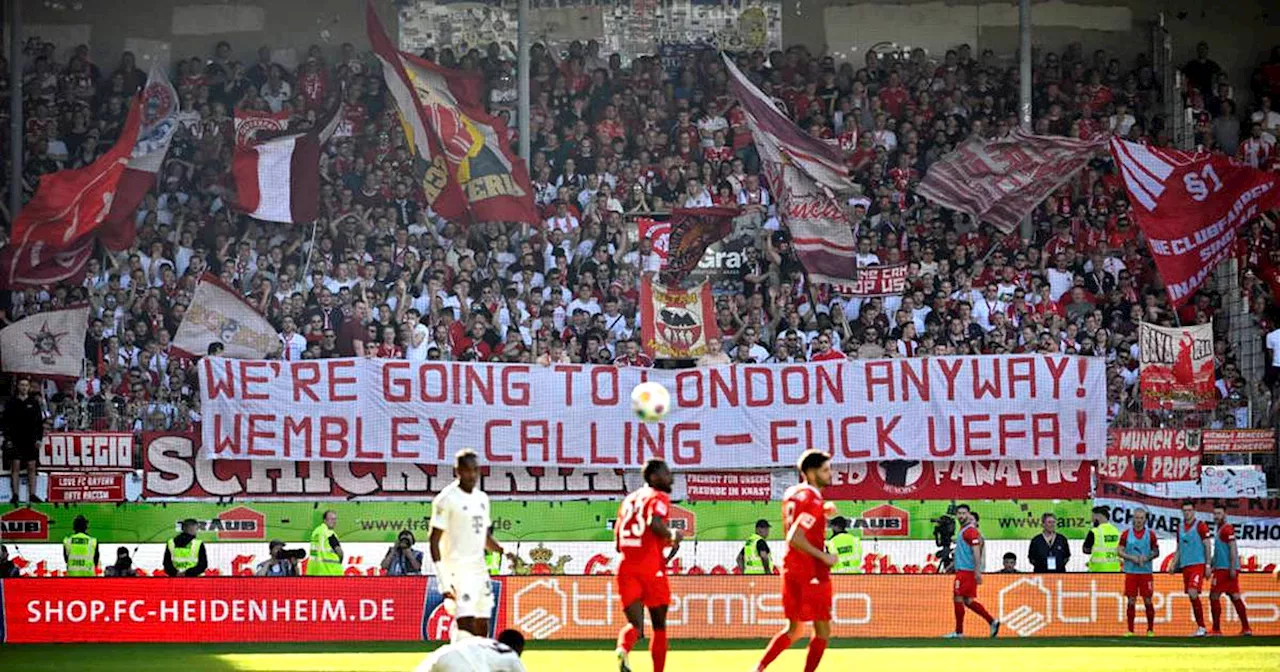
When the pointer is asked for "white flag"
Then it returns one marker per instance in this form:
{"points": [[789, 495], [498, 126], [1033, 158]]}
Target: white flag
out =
{"points": [[219, 314], [46, 344]]}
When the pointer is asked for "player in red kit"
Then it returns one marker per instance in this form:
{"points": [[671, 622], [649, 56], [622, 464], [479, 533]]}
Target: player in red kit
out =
{"points": [[640, 535], [806, 569], [970, 560], [1226, 574]]}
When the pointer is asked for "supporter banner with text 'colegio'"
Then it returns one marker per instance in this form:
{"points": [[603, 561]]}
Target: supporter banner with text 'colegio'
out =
{"points": [[742, 607], [1033, 407]]}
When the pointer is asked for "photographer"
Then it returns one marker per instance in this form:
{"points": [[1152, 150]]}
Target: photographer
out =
{"points": [[401, 559], [281, 562]]}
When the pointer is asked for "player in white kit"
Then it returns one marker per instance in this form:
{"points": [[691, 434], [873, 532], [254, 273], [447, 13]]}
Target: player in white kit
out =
{"points": [[478, 654], [459, 538]]}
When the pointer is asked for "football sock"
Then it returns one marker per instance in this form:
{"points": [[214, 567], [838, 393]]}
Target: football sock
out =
{"points": [[981, 611], [1151, 615], [1238, 603], [627, 637], [1215, 611], [816, 647], [1197, 608], [959, 616], [777, 645], [1128, 614], [658, 650]]}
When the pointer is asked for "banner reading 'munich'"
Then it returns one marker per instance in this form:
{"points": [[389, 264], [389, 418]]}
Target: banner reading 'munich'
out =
{"points": [[940, 408]]}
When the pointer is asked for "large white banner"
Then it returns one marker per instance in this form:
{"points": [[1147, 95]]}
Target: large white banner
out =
{"points": [[220, 314], [1031, 407]]}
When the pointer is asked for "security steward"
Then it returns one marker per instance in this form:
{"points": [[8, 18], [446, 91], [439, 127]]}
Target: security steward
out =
{"points": [[492, 559], [184, 554], [326, 551], [1102, 543], [846, 547], [80, 550], [754, 557]]}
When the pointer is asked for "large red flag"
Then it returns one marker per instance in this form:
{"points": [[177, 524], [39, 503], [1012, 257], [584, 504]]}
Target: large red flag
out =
{"points": [[71, 204], [1190, 207], [40, 265], [463, 156], [159, 121]]}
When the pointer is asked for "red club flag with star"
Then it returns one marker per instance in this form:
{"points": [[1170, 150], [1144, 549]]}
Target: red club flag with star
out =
{"points": [[46, 344]]}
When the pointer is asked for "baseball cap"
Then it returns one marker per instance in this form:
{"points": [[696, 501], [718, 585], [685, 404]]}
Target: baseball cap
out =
{"points": [[762, 523]]}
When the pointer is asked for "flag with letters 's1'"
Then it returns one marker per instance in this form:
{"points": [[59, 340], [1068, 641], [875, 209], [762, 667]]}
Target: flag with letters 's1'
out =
{"points": [[1190, 207], [46, 344]]}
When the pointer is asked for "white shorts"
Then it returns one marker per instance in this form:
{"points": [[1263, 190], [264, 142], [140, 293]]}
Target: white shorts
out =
{"points": [[472, 595]]}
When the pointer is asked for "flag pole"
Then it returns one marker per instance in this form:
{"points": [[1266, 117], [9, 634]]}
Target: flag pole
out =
{"points": [[15, 111], [522, 73], [311, 250], [1024, 86]]}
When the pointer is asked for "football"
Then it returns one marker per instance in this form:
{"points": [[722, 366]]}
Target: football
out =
{"points": [[650, 401]]}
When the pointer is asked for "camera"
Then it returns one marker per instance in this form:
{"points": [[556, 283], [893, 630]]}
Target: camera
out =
{"points": [[944, 532], [291, 554]]}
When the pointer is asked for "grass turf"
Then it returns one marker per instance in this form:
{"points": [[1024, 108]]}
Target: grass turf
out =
{"points": [[897, 655]]}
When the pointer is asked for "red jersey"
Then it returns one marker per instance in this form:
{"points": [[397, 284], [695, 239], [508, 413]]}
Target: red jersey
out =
{"points": [[631, 534], [803, 504]]}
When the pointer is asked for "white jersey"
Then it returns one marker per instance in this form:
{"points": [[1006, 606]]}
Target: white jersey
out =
{"points": [[475, 654], [464, 519]]}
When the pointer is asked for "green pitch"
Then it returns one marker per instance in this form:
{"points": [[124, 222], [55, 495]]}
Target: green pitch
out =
{"points": [[1041, 655]]}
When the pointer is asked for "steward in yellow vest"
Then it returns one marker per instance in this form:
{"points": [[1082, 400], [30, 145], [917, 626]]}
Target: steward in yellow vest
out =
{"points": [[754, 558], [184, 554], [80, 550], [1103, 543], [326, 551], [846, 547]]}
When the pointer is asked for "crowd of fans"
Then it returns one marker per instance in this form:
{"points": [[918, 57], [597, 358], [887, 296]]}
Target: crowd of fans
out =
{"points": [[381, 275]]}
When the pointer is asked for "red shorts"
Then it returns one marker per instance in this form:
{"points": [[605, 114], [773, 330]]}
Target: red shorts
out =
{"points": [[806, 600], [1193, 578], [965, 585], [1223, 583], [641, 584], [1138, 585]]}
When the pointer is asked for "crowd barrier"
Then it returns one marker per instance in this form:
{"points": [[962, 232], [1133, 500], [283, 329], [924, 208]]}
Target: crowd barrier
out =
{"points": [[575, 608]]}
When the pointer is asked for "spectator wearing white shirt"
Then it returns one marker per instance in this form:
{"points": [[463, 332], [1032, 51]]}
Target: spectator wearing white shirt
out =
{"points": [[1258, 149], [1273, 359], [709, 124], [865, 256], [1269, 118], [292, 343], [987, 306], [585, 301], [1060, 277], [562, 220], [695, 195]]}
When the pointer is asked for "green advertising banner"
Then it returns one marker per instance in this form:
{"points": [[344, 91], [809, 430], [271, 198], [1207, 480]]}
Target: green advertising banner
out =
{"points": [[513, 521]]}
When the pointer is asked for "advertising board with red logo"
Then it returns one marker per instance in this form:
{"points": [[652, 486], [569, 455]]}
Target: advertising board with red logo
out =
{"points": [[226, 610], [71, 487], [24, 524], [991, 479]]}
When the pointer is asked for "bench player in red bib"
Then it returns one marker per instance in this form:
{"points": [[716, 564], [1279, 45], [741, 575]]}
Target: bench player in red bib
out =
{"points": [[806, 569], [640, 536], [1226, 574]]}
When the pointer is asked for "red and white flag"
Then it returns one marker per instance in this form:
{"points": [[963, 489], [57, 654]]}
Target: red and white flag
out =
{"points": [[1190, 207], [674, 322], [219, 313], [71, 204], [159, 121], [658, 233], [1001, 181], [810, 180], [41, 265], [249, 123], [46, 344], [279, 180]]}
